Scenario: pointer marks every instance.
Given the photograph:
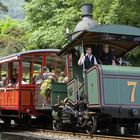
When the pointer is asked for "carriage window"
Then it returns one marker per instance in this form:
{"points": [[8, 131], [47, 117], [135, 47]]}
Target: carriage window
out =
{"points": [[50, 62], [31, 67], [60, 63], [56, 65], [26, 69], [13, 72], [4, 74], [37, 67], [26, 72], [61, 70]]}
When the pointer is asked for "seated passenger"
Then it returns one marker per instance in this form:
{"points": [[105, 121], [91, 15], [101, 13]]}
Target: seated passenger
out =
{"points": [[46, 72], [38, 79], [107, 57], [14, 76], [55, 77], [34, 79], [66, 79], [88, 60], [61, 77], [23, 81], [9, 85], [4, 80]]}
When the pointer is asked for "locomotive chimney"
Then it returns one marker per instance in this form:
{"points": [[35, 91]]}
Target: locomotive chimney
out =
{"points": [[87, 22], [87, 10]]}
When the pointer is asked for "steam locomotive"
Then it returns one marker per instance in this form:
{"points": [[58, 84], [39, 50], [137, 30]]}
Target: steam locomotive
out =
{"points": [[102, 97]]}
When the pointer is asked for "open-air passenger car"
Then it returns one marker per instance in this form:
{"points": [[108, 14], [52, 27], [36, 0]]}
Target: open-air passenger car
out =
{"points": [[20, 96]]}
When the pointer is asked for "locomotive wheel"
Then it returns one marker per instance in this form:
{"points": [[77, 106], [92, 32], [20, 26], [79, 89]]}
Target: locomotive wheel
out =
{"points": [[115, 128], [57, 126], [18, 121], [7, 122], [133, 128], [91, 126], [28, 121]]}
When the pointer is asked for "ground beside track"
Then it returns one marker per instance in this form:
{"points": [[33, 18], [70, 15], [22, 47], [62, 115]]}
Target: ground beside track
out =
{"points": [[16, 132], [40, 134]]}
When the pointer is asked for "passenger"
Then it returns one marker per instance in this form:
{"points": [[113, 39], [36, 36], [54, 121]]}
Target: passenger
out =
{"points": [[107, 58], [61, 77], [4, 80], [24, 81], [66, 79], [46, 72], [10, 85], [38, 79], [14, 76], [34, 79], [88, 60], [55, 77]]}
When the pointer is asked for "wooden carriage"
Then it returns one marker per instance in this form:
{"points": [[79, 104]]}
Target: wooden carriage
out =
{"points": [[19, 93]]}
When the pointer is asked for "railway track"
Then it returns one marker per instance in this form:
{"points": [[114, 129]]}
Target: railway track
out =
{"points": [[21, 132], [81, 136]]}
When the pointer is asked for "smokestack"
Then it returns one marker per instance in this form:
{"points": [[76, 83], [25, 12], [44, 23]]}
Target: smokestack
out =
{"points": [[87, 9], [87, 22]]}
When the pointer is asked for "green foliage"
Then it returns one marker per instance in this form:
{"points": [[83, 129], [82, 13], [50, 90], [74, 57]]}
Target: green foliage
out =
{"points": [[118, 12], [49, 19], [11, 37], [46, 87], [46, 21], [134, 56]]}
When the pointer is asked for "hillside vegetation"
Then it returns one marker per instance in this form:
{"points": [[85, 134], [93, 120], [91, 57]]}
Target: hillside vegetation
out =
{"points": [[45, 22]]}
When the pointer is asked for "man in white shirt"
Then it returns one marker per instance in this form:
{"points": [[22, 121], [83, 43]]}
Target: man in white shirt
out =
{"points": [[88, 60]]}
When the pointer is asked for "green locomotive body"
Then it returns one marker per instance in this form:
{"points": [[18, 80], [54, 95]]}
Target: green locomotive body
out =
{"points": [[115, 90]]}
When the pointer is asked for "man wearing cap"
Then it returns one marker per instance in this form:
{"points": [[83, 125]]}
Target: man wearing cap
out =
{"points": [[88, 60]]}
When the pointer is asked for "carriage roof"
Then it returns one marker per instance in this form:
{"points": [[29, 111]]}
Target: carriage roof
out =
{"points": [[123, 37], [16, 56]]}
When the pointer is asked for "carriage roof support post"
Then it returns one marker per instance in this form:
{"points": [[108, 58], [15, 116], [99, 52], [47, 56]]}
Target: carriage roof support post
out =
{"points": [[67, 64], [85, 78]]}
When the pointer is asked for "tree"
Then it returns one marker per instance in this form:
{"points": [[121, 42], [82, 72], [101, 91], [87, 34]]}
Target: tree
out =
{"points": [[47, 29], [11, 37], [48, 21]]}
